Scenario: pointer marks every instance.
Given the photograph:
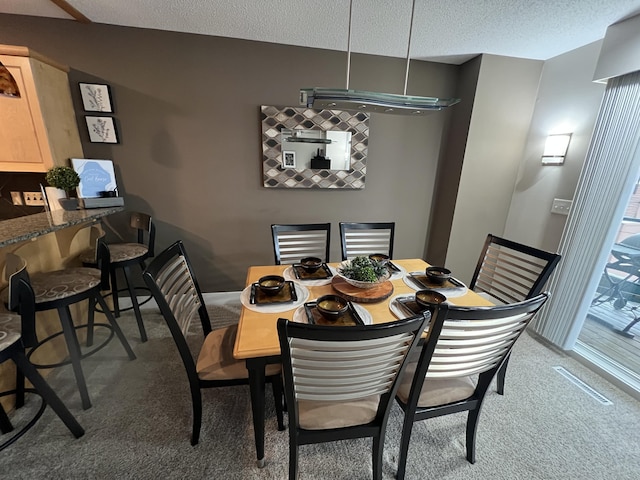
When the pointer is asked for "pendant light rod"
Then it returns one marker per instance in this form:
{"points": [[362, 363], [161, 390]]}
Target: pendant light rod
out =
{"points": [[406, 75], [349, 43]]}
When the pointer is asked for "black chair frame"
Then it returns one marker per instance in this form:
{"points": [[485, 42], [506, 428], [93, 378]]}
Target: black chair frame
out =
{"points": [[346, 226], [473, 404], [501, 286], [377, 427], [276, 229], [195, 383]]}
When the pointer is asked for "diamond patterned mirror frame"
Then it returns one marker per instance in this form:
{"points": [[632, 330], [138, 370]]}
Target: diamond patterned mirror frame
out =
{"points": [[274, 119]]}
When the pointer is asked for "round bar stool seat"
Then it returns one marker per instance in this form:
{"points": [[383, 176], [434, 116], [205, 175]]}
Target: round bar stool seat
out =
{"points": [[11, 348]]}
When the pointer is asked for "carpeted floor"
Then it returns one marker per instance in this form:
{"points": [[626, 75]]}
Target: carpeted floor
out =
{"points": [[544, 427]]}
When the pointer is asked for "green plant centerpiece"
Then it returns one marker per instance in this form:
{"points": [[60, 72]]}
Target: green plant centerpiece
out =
{"points": [[64, 178], [363, 272]]}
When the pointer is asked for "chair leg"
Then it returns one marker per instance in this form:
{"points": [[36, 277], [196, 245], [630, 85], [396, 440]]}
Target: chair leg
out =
{"points": [[19, 388], [114, 293], [501, 374], [134, 303], [377, 456], [472, 428], [116, 328], [407, 427], [5, 423], [74, 352], [196, 400], [276, 385], [48, 394], [91, 321], [293, 457]]}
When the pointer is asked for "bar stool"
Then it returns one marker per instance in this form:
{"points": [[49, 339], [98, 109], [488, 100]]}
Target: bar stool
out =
{"points": [[12, 348], [58, 290], [124, 256]]}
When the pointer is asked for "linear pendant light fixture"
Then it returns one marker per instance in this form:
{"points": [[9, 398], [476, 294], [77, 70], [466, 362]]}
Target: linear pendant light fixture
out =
{"points": [[335, 98]]}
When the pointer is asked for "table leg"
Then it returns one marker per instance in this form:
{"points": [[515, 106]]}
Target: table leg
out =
{"points": [[256, 368]]}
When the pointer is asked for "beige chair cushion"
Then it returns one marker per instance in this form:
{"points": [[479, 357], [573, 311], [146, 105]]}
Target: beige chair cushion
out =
{"points": [[436, 391], [314, 415], [216, 362]]}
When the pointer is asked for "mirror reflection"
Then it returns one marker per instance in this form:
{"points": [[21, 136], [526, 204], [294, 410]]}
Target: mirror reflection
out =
{"points": [[316, 149]]}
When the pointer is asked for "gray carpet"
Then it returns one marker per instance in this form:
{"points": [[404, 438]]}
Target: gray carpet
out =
{"points": [[139, 427]]}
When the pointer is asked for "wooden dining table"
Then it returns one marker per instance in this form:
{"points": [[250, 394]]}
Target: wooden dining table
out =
{"points": [[257, 337]]}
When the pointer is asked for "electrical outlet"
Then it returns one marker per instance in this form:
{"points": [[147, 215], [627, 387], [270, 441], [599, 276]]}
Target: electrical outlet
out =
{"points": [[33, 198], [16, 198]]}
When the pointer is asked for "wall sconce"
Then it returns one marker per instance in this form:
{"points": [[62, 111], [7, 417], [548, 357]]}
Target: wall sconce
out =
{"points": [[555, 149], [8, 85]]}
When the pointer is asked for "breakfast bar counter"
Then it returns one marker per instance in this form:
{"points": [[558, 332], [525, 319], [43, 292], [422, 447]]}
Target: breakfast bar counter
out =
{"points": [[16, 230], [47, 241]]}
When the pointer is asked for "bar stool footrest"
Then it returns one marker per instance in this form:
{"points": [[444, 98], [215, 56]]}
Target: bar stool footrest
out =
{"points": [[84, 355], [16, 435]]}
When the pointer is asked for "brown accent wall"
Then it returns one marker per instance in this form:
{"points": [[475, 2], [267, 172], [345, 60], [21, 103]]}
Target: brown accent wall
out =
{"points": [[187, 110]]}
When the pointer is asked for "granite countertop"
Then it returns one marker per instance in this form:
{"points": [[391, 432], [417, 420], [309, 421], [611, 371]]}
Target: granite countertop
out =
{"points": [[31, 226]]}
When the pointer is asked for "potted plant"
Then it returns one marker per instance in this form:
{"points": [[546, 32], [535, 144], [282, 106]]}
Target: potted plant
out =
{"points": [[62, 181]]}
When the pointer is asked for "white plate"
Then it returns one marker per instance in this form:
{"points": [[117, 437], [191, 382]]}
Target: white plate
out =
{"points": [[301, 292], [300, 315], [397, 275], [289, 274], [447, 292]]}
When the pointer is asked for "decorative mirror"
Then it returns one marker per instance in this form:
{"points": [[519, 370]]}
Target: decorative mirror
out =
{"points": [[307, 148]]}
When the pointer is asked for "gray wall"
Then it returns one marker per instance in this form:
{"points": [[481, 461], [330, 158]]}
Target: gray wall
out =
{"points": [[187, 107], [568, 101], [502, 109]]}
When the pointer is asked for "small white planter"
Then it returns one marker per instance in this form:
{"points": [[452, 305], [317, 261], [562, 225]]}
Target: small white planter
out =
{"points": [[53, 195]]}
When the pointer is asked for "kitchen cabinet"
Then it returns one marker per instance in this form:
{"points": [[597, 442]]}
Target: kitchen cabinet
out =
{"points": [[37, 130]]}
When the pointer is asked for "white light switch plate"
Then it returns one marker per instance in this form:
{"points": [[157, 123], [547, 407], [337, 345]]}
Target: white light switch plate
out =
{"points": [[561, 206]]}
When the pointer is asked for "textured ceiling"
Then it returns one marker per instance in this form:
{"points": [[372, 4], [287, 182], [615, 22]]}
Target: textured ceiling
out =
{"points": [[449, 31]]}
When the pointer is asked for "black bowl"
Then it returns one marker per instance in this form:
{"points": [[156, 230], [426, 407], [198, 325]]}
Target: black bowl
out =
{"points": [[429, 299], [311, 264], [332, 307], [438, 275], [380, 258], [271, 284]]}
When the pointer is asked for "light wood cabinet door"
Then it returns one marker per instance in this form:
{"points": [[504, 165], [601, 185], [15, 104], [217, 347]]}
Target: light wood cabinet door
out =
{"points": [[37, 130]]}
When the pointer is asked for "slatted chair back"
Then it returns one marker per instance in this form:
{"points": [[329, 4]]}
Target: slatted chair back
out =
{"points": [[510, 272], [357, 239], [466, 347], [340, 381], [291, 243], [176, 291]]}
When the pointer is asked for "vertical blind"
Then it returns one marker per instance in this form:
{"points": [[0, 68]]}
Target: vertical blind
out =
{"points": [[609, 173]]}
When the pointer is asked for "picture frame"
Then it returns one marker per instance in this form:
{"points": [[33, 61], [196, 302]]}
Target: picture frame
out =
{"points": [[289, 159], [102, 129], [95, 176], [96, 97]]}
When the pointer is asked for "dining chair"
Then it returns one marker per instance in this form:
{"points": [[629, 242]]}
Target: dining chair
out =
{"points": [[340, 382], [366, 238], [451, 373], [59, 290], [175, 288], [295, 241], [509, 272], [12, 348], [125, 255]]}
